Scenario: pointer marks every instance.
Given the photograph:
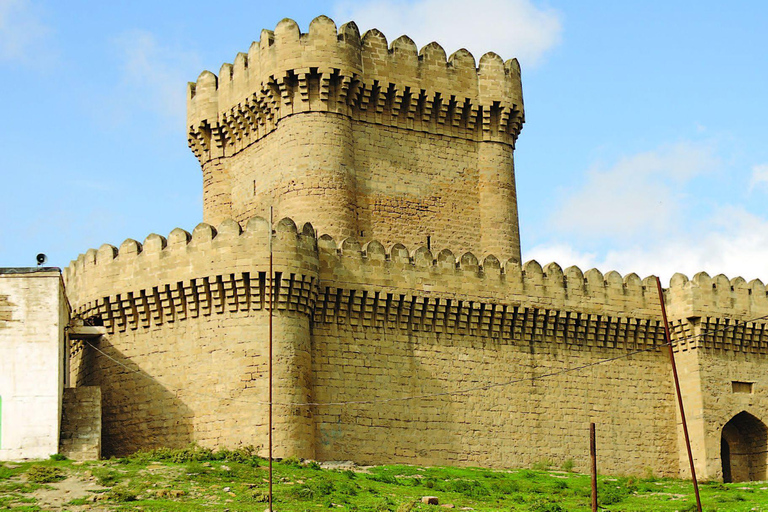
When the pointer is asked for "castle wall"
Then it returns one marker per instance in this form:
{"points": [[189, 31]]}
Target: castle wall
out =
{"points": [[396, 355], [446, 361], [513, 425]]}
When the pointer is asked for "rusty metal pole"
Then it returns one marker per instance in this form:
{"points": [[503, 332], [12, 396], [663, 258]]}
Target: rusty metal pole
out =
{"points": [[271, 304], [668, 338], [593, 455]]}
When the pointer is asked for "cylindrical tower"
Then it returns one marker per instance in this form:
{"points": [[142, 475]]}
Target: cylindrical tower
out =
{"points": [[309, 177], [217, 193], [500, 234], [185, 358]]}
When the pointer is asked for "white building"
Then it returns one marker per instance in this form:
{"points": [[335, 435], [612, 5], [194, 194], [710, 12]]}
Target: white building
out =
{"points": [[33, 316]]}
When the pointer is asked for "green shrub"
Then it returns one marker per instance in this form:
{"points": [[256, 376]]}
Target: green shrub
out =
{"points": [[560, 484], [314, 489], [568, 465], [107, 477], [323, 486], [122, 494], [469, 488], [194, 453], [347, 488], [406, 507], [432, 483], [611, 495], [44, 474], [384, 478], [260, 495], [543, 465], [506, 486], [58, 457], [293, 462], [545, 505], [242, 455]]}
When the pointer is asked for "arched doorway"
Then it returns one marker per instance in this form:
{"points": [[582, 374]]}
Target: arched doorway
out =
{"points": [[743, 449]]}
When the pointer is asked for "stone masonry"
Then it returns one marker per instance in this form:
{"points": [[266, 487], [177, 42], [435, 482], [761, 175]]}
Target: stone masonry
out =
{"points": [[81, 423], [406, 328]]}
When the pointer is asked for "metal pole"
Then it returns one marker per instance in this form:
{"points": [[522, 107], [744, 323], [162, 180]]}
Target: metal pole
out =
{"points": [[679, 395], [593, 455], [271, 304]]}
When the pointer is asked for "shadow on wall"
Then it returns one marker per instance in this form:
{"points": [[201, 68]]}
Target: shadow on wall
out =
{"points": [[743, 447], [138, 412]]}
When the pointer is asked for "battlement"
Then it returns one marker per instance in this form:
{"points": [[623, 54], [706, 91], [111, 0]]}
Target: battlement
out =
{"points": [[224, 269], [185, 275], [328, 70], [400, 270], [232, 263]]}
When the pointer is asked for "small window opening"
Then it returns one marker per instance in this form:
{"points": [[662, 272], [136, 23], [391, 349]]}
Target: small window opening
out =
{"points": [[742, 387]]}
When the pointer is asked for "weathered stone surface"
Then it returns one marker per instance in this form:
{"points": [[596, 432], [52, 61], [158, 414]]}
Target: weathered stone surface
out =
{"points": [[81, 423]]}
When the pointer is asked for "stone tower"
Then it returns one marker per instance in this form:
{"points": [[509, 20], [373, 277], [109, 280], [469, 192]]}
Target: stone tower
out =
{"points": [[363, 139]]}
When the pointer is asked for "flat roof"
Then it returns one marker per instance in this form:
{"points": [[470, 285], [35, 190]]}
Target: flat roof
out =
{"points": [[28, 270]]}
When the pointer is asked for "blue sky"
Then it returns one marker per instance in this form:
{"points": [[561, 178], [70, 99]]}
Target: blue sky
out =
{"points": [[645, 147]]}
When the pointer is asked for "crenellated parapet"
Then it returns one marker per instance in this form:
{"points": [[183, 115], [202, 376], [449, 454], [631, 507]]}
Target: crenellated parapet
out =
{"points": [[224, 269], [395, 287], [718, 312], [328, 70], [190, 275]]}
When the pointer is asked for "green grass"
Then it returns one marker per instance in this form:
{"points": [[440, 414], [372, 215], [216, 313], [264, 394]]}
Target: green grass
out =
{"points": [[198, 479]]}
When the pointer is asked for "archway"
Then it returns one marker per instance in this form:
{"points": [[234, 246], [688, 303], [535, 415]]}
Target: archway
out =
{"points": [[743, 449]]}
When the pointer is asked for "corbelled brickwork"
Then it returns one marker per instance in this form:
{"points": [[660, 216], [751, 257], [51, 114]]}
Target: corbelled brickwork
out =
{"points": [[406, 328]]}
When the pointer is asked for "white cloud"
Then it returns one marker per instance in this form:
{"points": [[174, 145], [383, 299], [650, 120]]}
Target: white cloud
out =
{"points": [[639, 193], [562, 254], [511, 28], [734, 243], [759, 176], [21, 30], [155, 75]]}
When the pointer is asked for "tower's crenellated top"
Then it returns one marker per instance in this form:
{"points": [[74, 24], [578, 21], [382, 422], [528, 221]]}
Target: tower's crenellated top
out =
{"points": [[330, 70]]}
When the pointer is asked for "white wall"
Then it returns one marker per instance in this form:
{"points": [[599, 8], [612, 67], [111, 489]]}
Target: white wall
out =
{"points": [[33, 314]]}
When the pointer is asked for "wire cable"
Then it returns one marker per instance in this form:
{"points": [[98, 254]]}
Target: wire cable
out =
{"points": [[465, 391]]}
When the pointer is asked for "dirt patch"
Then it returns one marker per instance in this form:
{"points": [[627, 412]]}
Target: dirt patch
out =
{"points": [[55, 495]]}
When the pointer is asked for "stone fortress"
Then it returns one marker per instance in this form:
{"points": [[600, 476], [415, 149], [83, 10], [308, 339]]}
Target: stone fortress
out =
{"points": [[406, 327]]}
